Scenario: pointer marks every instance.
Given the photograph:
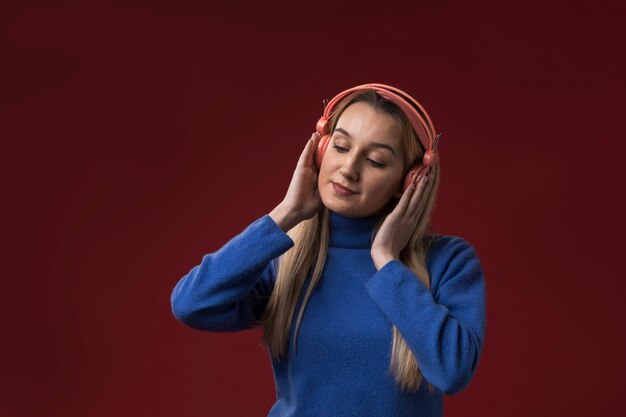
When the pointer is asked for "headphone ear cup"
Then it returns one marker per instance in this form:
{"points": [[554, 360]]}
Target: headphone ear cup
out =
{"points": [[321, 149]]}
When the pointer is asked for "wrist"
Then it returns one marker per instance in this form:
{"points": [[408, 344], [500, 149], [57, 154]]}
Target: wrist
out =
{"points": [[381, 259], [284, 217]]}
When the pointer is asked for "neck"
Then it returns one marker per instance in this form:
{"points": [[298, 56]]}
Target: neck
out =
{"points": [[351, 232]]}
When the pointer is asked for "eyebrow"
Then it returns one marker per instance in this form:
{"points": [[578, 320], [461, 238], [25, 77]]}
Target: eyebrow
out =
{"points": [[374, 144]]}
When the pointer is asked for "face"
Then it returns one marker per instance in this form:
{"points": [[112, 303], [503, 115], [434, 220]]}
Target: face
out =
{"points": [[365, 156]]}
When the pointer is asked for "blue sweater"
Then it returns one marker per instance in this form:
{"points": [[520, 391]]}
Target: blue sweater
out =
{"points": [[341, 365]]}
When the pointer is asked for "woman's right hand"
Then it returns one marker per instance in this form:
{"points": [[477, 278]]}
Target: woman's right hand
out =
{"points": [[302, 200]]}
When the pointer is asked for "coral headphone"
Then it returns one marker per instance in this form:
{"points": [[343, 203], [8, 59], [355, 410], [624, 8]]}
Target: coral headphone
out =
{"points": [[416, 114]]}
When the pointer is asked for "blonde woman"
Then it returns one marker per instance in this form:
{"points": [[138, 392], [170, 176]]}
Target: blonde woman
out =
{"points": [[365, 311]]}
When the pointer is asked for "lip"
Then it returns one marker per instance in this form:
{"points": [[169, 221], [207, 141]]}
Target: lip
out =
{"points": [[340, 189]]}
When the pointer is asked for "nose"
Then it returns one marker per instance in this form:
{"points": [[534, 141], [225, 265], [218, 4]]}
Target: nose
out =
{"points": [[350, 170]]}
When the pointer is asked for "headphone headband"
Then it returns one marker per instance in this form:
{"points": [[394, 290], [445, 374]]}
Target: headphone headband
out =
{"points": [[419, 119]]}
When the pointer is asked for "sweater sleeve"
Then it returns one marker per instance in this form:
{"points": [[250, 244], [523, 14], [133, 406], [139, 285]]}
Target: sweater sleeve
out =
{"points": [[444, 326], [229, 289]]}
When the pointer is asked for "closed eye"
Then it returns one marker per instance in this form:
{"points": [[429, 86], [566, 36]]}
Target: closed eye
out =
{"points": [[376, 164]]}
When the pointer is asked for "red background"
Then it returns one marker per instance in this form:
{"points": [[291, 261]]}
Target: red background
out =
{"points": [[139, 135]]}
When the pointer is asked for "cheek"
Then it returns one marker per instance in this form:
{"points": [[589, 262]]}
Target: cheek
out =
{"points": [[323, 172], [328, 164], [323, 176], [383, 186]]}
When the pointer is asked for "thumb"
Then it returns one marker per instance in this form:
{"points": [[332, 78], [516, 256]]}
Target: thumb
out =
{"points": [[308, 154]]}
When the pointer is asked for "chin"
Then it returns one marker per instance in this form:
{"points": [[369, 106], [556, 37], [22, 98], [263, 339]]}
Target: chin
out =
{"points": [[339, 207], [346, 209]]}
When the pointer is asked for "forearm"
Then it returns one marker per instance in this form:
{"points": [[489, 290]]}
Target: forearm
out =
{"points": [[446, 341], [212, 293]]}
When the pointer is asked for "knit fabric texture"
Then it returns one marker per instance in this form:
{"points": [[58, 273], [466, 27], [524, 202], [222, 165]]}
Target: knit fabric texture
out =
{"points": [[340, 366]]}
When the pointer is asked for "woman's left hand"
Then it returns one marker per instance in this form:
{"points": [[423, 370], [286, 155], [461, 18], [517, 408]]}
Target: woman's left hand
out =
{"points": [[398, 226]]}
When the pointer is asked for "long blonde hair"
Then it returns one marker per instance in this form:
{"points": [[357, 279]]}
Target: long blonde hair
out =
{"points": [[311, 241]]}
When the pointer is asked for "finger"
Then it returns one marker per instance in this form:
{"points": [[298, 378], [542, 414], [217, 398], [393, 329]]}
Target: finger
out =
{"points": [[406, 195], [423, 199], [306, 157], [415, 196], [417, 185], [419, 201]]}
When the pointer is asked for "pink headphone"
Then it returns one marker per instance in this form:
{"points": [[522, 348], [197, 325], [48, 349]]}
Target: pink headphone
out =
{"points": [[416, 114]]}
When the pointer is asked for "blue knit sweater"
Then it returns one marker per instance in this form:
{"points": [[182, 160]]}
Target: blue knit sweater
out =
{"points": [[341, 364]]}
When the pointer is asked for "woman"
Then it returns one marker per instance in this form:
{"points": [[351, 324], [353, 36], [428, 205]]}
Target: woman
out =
{"points": [[364, 312]]}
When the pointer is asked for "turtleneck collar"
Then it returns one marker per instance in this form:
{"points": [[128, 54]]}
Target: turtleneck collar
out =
{"points": [[351, 232]]}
